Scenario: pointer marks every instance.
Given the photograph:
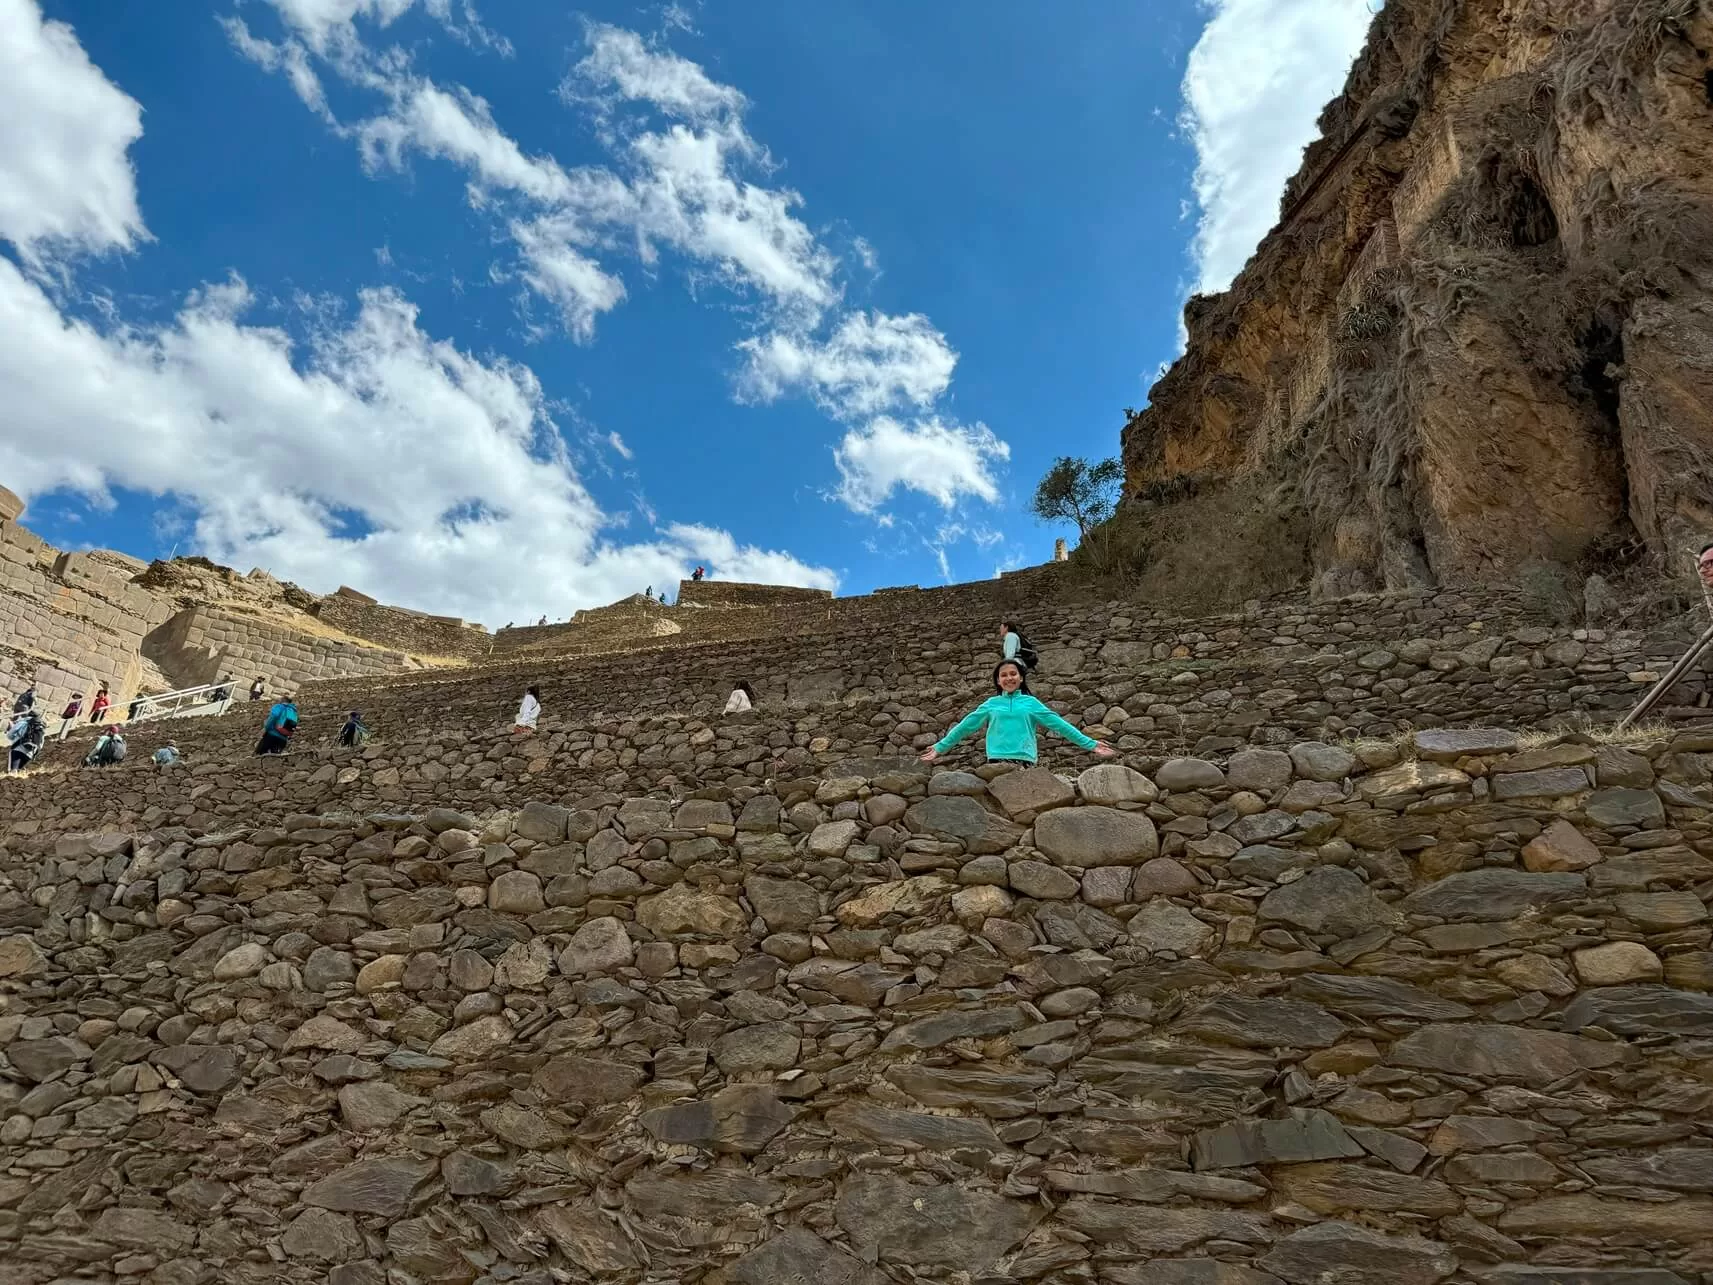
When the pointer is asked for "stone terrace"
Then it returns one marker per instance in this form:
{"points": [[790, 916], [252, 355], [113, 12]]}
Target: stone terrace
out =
{"points": [[1437, 1012], [1278, 671]]}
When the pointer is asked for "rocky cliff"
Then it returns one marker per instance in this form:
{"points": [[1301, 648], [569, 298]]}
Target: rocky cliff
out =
{"points": [[1481, 336]]}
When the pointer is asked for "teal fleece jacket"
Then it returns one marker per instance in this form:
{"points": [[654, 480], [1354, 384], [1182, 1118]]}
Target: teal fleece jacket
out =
{"points": [[1011, 721]]}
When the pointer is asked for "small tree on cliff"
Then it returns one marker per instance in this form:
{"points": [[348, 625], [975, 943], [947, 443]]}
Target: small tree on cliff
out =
{"points": [[1076, 491]]}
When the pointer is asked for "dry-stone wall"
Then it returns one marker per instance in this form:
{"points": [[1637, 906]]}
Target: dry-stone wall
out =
{"points": [[1280, 672], [206, 644], [1297, 1016], [68, 621], [403, 630]]}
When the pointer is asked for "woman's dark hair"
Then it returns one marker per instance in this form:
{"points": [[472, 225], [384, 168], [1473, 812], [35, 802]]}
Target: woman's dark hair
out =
{"points": [[747, 690], [1022, 670], [1705, 547], [534, 691], [1012, 627]]}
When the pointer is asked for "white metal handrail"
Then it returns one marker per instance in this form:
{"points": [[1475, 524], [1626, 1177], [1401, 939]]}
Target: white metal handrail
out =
{"points": [[209, 698]]}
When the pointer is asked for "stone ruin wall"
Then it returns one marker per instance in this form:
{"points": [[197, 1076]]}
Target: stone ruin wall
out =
{"points": [[68, 622], [715, 611], [206, 644], [1286, 672], [400, 629], [71, 621], [726, 593], [1440, 1014]]}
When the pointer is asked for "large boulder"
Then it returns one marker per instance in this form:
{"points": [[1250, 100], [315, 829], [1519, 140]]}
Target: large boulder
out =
{"points": [[1097, 836]]}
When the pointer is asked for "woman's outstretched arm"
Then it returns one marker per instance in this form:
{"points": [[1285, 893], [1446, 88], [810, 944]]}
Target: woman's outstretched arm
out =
{"points": [[972, 723], [1046, 718]]}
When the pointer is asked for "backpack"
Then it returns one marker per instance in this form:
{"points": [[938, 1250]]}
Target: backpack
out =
{"points": [[1026, 654], [116, 751]]}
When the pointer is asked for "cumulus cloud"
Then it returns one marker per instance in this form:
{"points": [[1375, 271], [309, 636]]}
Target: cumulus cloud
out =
{"points": [[360, 449], [372, 454], [620, 62], [871, 362], [941, 460], [687, 178], [1256, 82], [66, 181]]}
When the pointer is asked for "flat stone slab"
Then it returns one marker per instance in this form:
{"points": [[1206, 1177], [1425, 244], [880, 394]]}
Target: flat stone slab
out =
{"points": [[1448, 744]]}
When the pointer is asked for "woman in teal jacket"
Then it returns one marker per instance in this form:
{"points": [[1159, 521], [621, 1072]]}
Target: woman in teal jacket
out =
{"points": [[1011, 719]]}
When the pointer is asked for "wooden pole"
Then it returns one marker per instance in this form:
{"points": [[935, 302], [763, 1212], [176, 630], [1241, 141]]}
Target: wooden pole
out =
{"points": [[1659, 689]]}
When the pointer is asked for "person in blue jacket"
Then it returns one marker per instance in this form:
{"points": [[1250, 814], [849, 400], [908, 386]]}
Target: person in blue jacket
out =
{"points": [[277, 731], [1011, 719]]}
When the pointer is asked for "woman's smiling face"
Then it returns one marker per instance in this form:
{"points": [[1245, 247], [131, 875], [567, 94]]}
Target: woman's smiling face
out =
{"points": [[1010, 678]]}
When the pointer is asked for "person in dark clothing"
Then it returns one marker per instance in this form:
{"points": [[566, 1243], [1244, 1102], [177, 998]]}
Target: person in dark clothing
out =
{"points": [[697, 575], [26, 701], [27, 742], [279, 728], [224, 691], [353, 733], [110, 749]]}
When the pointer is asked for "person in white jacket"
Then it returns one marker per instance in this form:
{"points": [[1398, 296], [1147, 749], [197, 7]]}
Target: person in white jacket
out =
{"points": [[741, 700], [528, 710]]}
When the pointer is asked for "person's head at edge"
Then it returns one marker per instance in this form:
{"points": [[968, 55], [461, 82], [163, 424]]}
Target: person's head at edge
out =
{"points": [[533, 691], [744, 687], [1008, 677], [1704, 565], [1009, 627]]}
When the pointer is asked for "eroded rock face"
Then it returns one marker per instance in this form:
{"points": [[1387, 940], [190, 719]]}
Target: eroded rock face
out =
{"points": [[720, 1041], [1508, 466]]}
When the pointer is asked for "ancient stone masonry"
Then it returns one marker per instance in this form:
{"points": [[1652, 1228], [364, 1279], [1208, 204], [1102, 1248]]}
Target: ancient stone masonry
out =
{"points": [[1485, 310], [1281, 671], [1436, 1011], [402, 630], [207, 644], [68, 621]]}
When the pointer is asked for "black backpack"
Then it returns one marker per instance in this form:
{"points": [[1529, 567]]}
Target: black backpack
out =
{"points": [[1029, 657]]}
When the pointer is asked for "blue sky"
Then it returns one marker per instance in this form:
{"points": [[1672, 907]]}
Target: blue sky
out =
{"points": [[509, 310]]}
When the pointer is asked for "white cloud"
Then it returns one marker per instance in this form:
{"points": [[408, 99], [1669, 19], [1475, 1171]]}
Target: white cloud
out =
{"points": [[872, 362], [566, 277], [618, 444], [66, 182], [620, 63], [732, 561], [373, 454], [288, 57], [1255, 86], [693, 185], [329, 27], [944, 461]]}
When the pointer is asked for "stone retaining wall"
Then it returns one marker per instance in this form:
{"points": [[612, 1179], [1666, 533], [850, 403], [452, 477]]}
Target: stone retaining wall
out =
{"points": [[1155, 685], [401, 630], [1290, 1017], [69, 621], [208, 644]]}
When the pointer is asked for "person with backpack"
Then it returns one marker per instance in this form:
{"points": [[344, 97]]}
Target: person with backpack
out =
{"points": [[1014, 646], [1011, 718], [27, 737], [110, 749], [353, 733], [167, 755], [279, 728]]}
